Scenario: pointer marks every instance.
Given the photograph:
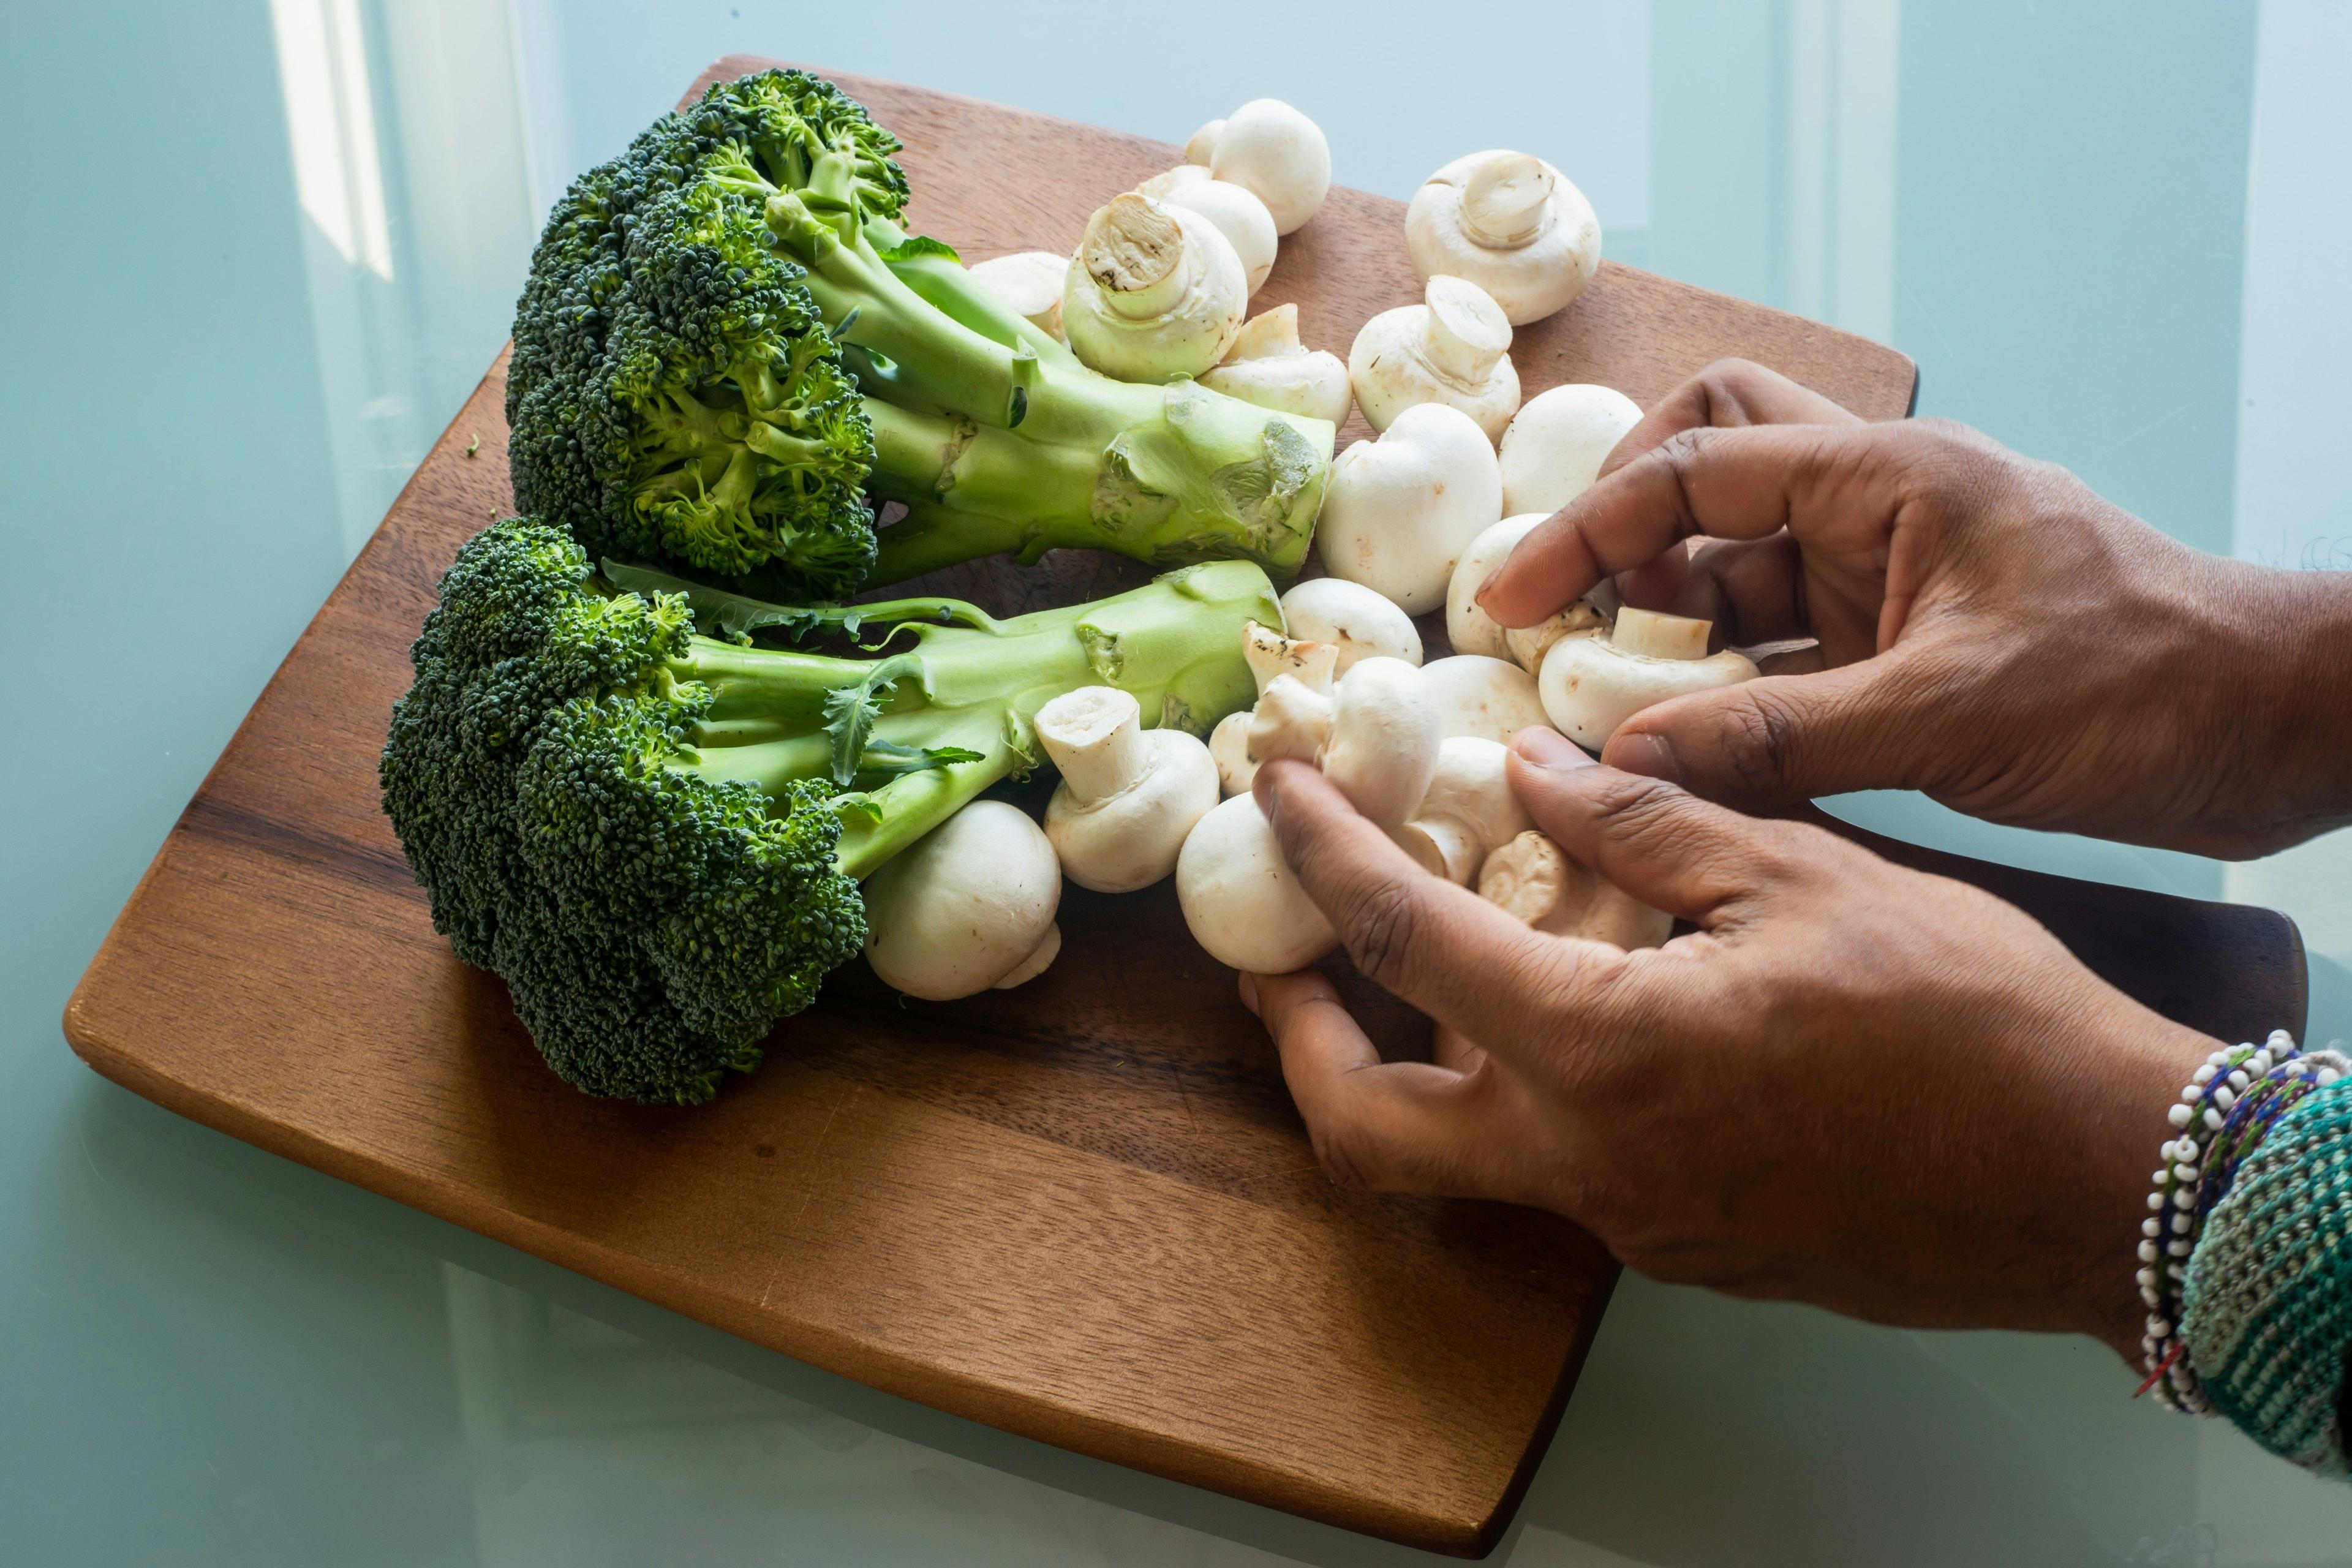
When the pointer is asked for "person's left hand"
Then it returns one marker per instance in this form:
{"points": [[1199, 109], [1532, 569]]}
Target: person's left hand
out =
{"points": [[1880, 1091]]}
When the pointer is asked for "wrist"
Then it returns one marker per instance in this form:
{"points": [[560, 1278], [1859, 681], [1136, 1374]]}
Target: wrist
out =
{"points": [[2280, 717]]}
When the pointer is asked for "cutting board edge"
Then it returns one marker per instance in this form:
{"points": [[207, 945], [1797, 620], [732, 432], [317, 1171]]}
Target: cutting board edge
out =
{"points": [[917, 1382]]}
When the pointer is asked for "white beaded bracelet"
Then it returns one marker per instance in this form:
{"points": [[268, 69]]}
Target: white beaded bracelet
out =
{"points": [[2168, 1235]]}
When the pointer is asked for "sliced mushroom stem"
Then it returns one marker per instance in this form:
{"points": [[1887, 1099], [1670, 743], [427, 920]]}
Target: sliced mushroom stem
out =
{"points": [[1467, 332], [1654, 635], [1442, 848], [1270, 654], [1292, 719], [1094, 737], [1134, 251], [1531, 878], [1506, 200]]}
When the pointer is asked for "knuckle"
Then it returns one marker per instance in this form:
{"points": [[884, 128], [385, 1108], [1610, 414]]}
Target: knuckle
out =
{"points": [[1758, 742], [1380, 925]]}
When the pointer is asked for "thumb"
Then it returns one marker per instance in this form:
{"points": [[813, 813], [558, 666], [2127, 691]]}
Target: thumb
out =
{"points": [[1780, 738]]}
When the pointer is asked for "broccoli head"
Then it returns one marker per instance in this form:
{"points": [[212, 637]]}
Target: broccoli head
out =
{"points": [[729, 352], [656, 837]]}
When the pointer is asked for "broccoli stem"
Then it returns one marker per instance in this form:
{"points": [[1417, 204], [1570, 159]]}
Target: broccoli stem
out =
{"points": [[1174, 643], [1004, 443]]}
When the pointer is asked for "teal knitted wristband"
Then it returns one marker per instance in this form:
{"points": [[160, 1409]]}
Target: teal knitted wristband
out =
{"points": [[2267, 1305]]}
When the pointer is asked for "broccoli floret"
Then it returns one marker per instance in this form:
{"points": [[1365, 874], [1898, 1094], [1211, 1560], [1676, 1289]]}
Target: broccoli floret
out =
{"points": [[656, 837], [729, 352]]}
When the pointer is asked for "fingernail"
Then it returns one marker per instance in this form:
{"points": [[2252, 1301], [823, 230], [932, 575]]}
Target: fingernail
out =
{"points": [[1249, 990], [1480, 596], [1653, 756], [1550, 749]]}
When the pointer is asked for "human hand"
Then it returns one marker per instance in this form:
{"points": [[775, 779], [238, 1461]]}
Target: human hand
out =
{"points": [[1989, 631], [1879, 1091]]}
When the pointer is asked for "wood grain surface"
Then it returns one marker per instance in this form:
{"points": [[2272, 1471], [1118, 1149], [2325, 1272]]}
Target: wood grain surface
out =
{"points": [[1083, 1211]]}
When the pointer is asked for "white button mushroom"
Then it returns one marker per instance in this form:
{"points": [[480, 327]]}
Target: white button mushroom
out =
{"points": [[1127, 797], [1451, 348], [1531, 878], [1202, 145], [1155, 291], [1490, 697], [1376, 737], [1239, 216], [1275, 152], [1468, 626], [968, 906], [1467, 811], [1029, 284], [1243, 903], [1353, 619], [1512, 224], [1267, 365], [1593, 683], [1268, 654], [1399, 511], [1555, 446]]}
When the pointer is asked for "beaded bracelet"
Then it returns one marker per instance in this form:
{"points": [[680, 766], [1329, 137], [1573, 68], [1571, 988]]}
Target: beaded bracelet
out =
{"points": [[2224, 1112]]}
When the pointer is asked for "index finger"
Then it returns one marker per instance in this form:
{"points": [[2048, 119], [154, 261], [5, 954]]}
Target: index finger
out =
{"points": [[1438, 945], [1725, 484], [1729, 394]]}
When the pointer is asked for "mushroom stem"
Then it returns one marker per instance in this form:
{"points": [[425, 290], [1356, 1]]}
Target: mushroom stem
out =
{"points": [[1135, 253], [1292, 719], [1442, 846], [1531, 878], [1506, 200], [1654, 635], [1467, 332], [1270, 654], [1095, 736]]}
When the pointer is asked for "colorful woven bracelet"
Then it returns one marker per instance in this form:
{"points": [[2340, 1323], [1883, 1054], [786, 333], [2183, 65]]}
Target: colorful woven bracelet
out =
{"points": [[2232, 1104], [2266, 1308]]}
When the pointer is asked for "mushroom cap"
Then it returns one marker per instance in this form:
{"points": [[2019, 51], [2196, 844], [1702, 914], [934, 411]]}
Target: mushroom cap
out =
{"points": [[1467, 626], [964, 906], [1589, 686], [1029, 284], [1527, 645], [1278, 154], [1166, 183], [1239, 216], [1202, 145], [1452, 349], [1131, 839], [1156, 290], [1487, 217], [1467, 810], [1385, 739], [1555, 445], [1243, 903], [1312, 385], [1490, 697], [1352, 618], [1229, 747], [1399, 511]]}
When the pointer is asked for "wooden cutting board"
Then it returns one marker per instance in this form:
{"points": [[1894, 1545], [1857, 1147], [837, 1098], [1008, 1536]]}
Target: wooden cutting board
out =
{"points": [[1083, 1211]]}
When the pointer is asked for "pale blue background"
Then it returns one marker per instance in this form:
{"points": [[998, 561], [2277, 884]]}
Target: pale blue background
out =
{"points": [[249, 271]]}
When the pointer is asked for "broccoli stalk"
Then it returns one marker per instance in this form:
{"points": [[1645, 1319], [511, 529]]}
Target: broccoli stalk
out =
{"points": [[729, 350], [655, 837]]}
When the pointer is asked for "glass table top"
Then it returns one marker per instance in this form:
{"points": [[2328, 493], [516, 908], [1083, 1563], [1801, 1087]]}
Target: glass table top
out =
{"points": [[2111, 235]]}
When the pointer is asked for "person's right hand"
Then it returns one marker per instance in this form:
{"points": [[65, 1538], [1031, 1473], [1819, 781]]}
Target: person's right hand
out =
{"points": [[1989, 631]]}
